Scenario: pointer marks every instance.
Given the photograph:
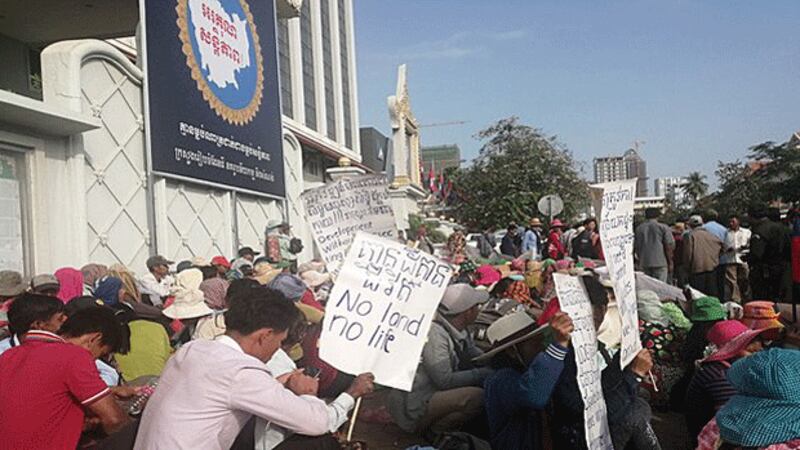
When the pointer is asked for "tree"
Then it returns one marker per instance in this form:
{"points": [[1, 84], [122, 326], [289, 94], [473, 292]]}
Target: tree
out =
{"points": [[695, 187], [739, 189], [778, 167], [517, 165]]}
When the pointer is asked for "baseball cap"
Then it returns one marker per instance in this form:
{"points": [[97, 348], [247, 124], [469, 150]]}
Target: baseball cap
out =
{"points": [[695, 220], [461, 297], [221, 261], [247, 251], [157, 260]]}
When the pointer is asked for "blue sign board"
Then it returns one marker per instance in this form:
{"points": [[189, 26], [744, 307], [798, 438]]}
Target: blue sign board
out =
{"points": [[212, 92]]}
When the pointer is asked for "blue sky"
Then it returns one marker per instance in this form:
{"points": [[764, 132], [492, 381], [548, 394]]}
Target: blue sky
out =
{"points": [[697, 81]]}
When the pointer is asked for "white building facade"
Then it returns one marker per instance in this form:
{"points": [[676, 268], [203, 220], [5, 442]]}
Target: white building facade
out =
{"points": [[672, 188], [74, 179]]}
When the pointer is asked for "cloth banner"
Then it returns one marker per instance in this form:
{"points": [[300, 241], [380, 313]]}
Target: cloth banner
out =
{"points": [[574, 301], [613, 203], [336, 211], [380, 310]]}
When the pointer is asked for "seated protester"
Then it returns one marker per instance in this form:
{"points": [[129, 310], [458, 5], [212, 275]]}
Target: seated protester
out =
{"points": [[108, 373], [156, 284], [45, 284], [709, 388], [47, 382], [188, 307], [765, 412], [628, 415], [516, 394], [447, 391], [705, 312], [210, 389], [92, 273], [149, 350], [222, 265], [42, 312]]}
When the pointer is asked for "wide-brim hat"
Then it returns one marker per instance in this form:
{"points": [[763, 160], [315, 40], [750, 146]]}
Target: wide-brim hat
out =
{"points": [[707, 309], [535, 222], [12, 283], [734, 346], [188, 307], [759, 315], [458, 298], [221, 261], [487, 275], [556, 224], [317, 266], [312, 315], [501, 331], [265, 273]]}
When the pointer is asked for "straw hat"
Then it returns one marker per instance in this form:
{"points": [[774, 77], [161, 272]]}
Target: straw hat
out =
{"points": [[730, 337], [314, 279], [264, 273]]}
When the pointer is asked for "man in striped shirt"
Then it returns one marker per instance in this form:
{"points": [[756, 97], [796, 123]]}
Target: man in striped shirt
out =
{"points": [[48, 381]]}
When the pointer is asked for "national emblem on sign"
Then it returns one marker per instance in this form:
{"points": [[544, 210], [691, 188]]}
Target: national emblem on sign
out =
{"points": [[222, 50]]}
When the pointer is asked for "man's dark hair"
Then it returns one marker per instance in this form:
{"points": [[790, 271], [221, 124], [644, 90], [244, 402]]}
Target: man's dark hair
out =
{"points": [[588, 221], [242, 285], [29, 308], [258, 308], [598, 296], [711, 214], [208, 272], [652, 213], [103, 320], [774, 214]]}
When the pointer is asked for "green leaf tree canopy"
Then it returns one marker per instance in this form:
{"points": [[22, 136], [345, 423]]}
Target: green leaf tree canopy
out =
{"points": [[517, 165]]}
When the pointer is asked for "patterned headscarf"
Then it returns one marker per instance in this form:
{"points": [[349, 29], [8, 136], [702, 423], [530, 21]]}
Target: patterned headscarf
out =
{"points": [[467, 267], [215, 290], [520, 292]]}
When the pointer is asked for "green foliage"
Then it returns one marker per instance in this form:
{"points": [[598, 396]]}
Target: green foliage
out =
{"points": [[416, 222], [780, 173], [517, 166], [738, 189]]}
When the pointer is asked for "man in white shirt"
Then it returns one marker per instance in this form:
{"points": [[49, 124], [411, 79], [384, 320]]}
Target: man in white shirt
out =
{"points": [[737, 274], [210, 389], [158, 282]]}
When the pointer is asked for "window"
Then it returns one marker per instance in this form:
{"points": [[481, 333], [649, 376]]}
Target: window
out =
{"points": [[344, 47], [12, 212], [285, 64], [327, 63], [307, 44]]}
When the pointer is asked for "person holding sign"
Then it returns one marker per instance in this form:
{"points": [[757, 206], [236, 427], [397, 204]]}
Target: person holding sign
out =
{"points": [[516, 394], [446, 393], [628, 415], [210, 389]]}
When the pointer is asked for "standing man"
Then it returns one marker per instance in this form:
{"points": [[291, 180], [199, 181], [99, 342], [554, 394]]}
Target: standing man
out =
{"points": [[532, 241], [508, 246], [737, 246], [156, 284], [281, 232], [770, 251], [653, 246], [701, 251]]}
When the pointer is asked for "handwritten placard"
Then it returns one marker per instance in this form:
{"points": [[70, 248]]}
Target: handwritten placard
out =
{"points": [[615, 203], [337, 211], [574, 301], [380, 310]]}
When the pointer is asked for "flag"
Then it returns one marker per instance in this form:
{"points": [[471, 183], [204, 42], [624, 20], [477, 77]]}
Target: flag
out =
{"points": [[441, 181], [432, 181]]}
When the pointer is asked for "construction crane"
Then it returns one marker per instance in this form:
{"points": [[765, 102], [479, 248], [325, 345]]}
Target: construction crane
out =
{"points": [[444, 124]]}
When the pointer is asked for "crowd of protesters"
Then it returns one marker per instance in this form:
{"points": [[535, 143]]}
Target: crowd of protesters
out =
{"points": [[219, 354]]}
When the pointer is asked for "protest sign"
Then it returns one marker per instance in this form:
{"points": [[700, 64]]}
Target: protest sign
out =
{"points": [[336, 211], [574, 301], [380, 310], [614, 205]]}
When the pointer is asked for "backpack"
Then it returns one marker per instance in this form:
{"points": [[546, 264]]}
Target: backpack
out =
{"points": [[295, 246]]}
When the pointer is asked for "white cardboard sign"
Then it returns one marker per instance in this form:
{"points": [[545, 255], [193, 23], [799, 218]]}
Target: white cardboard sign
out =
{"points": [[574, 301], [380, 310]]}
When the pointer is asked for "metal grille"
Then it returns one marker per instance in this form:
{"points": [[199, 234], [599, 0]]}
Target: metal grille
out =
{"points": [[253, 214], [115, 180], [198, 222]]}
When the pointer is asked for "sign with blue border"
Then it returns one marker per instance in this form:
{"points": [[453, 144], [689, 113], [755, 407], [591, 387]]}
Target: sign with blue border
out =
{"points": [[212, 92]]}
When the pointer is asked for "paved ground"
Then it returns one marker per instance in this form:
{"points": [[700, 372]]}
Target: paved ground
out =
{"points": [[669, 427]]}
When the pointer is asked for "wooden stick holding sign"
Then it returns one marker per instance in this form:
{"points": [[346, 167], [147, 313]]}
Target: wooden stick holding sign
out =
{"points": [[353, 420]]}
